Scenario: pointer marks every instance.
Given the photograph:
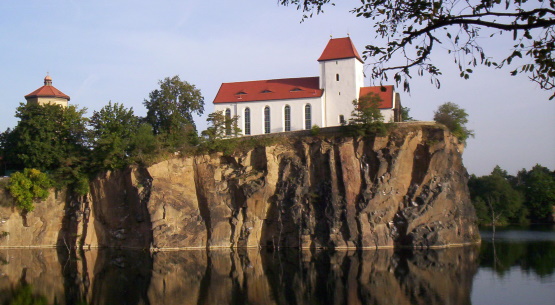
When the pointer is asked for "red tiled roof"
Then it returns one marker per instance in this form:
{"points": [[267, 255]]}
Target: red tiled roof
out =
{"points": [[273, 89], [340, 48], [47, 91], [385, 92]]}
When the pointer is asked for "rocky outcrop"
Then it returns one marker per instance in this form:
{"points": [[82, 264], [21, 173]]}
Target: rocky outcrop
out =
{"points": [[406, 189]]}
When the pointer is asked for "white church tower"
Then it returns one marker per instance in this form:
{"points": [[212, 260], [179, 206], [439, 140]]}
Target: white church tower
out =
{"points": [[341, 77]]}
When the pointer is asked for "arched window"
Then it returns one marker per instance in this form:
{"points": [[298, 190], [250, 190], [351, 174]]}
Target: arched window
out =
{"points": [[287, 117], [266, 119], [247, 121], [228, 121], [337, 77], [307, 116]]}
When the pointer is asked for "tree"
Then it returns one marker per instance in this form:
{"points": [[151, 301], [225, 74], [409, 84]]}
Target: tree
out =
{"points": [[366, 118], [27, 186], [412, 28], [221, 126], [405, 116], [455, 118], [47, 137], [171, 108], [538, 186], [495, 200], [113, 128]]}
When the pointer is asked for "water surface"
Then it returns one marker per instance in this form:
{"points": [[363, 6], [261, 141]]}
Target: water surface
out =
{"points": [[518, 268]]}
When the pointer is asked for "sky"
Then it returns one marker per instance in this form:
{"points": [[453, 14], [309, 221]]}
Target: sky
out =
{"points": [[118, 50]]}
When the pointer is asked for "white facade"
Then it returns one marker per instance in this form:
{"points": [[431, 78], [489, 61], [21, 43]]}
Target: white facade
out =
{"points": [[277, 120]]}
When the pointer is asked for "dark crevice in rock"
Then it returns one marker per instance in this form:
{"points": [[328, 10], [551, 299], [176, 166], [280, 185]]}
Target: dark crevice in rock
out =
{"points": [[202, 200]]}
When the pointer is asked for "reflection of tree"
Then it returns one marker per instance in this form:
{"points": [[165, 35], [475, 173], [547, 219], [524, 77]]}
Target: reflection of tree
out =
{"points": [[538, 257]]}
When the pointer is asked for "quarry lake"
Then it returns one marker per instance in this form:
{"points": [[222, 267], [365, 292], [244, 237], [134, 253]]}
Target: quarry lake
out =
{"points": [[518, 268]]}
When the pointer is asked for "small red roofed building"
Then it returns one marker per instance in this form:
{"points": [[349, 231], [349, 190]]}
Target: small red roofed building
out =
{"points": [[47, 94], [277, 105]]}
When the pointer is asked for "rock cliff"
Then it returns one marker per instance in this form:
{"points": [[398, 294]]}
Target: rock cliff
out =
{"points": [[406, 189]]}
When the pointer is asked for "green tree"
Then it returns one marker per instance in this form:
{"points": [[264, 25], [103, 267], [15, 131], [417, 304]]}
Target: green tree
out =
{"points": [[412, 28], [366, 118], [28, 186], [538, 186], [495, 200], [221, 126], [48, 137], [455, 118], [143, 144], [113, 129], [171, 109], [405, 116]]}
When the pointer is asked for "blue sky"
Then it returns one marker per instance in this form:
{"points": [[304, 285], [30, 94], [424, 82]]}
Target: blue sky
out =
{"points": [[100, 51]]}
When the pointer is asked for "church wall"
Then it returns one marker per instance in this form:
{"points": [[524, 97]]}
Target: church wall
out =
{"points": [[277, 111]]}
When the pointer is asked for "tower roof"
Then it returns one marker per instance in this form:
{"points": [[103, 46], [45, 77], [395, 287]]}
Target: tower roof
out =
{"points": [[340, 48], [47, 91]]}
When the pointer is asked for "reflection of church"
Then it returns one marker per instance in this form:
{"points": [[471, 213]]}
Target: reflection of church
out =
{"points": [[268, 106], [47, 94]]}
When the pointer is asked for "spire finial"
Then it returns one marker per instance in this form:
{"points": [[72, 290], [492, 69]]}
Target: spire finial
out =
{"points": [[48, 80]]}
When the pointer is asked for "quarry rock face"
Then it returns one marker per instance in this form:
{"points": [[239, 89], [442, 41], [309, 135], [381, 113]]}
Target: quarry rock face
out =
{"points": [[406, 189]]}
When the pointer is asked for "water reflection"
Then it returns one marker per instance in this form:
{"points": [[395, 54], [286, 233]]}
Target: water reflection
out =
{"points": [[110, 276], [532, 250]]}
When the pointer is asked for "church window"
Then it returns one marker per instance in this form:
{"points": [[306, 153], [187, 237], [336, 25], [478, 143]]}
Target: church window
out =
{"points": [[266, 119], [307, 116], [287, 117], [247, 121], [341, 119], [228, 121], [337, 77]]}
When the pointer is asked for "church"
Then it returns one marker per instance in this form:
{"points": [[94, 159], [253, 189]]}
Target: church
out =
{"points": [[278, 105]]}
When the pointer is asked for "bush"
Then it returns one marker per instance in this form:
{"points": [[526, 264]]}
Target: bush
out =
{"points": [[27, 187], [315, 130], [455, 118]]}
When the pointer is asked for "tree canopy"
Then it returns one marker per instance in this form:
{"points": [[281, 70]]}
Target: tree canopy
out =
{"points": [[455, 118], [366, 118], [47, 137], [112, 133], [527, 197], [413, 29], [171, 107]]}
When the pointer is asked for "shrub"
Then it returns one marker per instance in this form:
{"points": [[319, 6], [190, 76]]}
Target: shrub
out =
{"points": [[315, 130], [27, 187]]}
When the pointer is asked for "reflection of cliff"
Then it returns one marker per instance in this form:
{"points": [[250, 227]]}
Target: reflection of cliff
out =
{"points": [[253, 277], [405, 189]]}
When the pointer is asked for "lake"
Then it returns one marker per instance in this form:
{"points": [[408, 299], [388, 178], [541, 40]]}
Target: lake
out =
{"points": [[518, 268]]}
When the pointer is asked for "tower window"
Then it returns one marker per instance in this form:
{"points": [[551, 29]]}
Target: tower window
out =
{"points": [[266, 119], [337, 77], [247, 121], [287, 118], [341, 119], [307, 116]]}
